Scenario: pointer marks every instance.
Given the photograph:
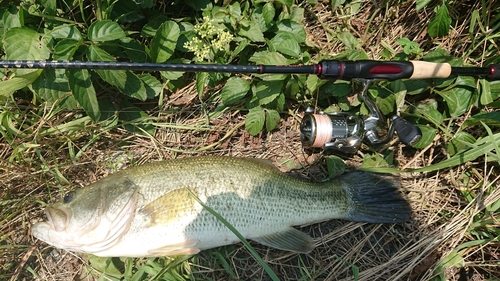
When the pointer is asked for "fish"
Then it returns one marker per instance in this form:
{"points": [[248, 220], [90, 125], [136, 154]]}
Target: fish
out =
{"points": [[155, 209]]}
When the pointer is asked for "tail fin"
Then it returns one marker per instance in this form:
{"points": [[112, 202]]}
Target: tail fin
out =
{"points": [[375, 198]]}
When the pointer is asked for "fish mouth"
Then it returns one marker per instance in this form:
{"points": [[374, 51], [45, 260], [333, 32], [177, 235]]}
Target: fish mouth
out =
{"points": [[58, 218]]}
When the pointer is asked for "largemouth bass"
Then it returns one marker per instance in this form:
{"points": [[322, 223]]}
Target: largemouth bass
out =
{"points": [[151, 210]]}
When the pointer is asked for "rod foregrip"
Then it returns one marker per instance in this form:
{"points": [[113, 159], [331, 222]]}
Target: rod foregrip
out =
{"points": [[365, 69], [424, 70]]}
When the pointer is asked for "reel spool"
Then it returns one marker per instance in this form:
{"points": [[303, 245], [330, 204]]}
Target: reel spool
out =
{"points": [[335, 131]]}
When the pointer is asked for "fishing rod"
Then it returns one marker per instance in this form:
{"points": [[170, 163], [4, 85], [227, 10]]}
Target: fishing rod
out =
{"points": [[332, 132], [327, 69]]}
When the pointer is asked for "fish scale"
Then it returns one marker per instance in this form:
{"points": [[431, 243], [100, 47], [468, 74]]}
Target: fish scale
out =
{"points": [[164, 218]]}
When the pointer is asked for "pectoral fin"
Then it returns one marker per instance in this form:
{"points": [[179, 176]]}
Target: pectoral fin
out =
{"points": [[185, 248], [289, 240], [177, 205]]}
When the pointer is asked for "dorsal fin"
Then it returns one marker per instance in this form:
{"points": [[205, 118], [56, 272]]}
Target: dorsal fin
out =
{"points": [[264, 162]]}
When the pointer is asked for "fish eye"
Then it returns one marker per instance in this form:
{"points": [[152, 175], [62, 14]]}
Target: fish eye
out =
{"points": [[69, 197]]}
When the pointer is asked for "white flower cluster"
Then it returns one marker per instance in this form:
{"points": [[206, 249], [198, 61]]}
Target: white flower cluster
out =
{"points": [[208, 36]]}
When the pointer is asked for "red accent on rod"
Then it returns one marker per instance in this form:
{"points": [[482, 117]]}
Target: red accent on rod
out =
{"points": [[341, 69], [386, 69], [319, 69], [492, 71]]}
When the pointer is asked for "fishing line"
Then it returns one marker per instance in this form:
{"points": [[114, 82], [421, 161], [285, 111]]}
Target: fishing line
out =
{"points": [[324, 130]]}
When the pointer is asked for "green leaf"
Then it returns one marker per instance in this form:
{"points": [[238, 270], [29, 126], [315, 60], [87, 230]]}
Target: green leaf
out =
{"points": [[268, 58], [428, 134], [429, 112], [52, 85], [338, 88], [486, 94], [385, 99], [65, 49], [257, 18], [153, 86], [22, 43], [313, 82], [255, 120], [50, 6], [337, 3], [286, 44], [494, 90], [12, 18], [134, 49], [235, 90], [135, 120], [126, 11], [126, 81], [441, 55], [272, 119], [18, 82], [358, 54], [422, 4], [336, 166], [297, 14], [287, 3], [171, 75], [149, 30], [234, 11], [164, 42], [377, 160], [461, 141], [489, 118], [199, 5], [453, 259], [279, 102], [459, 97], [252, 31], [439, 26], [83, 91], [202, 79], [415, 87], [105, 30], [108, 265], [348, 39], [267, 91], [295, 29], [66, 32], [268, 12]]}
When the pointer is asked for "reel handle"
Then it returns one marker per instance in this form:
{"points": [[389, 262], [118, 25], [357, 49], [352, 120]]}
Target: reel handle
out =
{"points": [[408, 133]]}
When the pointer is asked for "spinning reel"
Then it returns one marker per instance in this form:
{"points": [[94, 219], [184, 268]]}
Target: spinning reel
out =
{"points": [[344, 132]]}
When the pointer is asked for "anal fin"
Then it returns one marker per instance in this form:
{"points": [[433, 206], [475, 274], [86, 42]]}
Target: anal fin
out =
{"points": [[184, 248], [289, 240]]}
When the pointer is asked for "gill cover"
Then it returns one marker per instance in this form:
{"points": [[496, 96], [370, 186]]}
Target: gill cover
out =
{"points": [[93, 218]]}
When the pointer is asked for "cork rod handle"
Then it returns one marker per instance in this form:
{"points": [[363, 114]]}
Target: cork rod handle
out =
{"points": [[423, 70]]}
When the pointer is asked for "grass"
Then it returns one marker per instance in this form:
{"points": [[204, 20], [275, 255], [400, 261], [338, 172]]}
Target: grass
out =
{"points": [[451, 181]]}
